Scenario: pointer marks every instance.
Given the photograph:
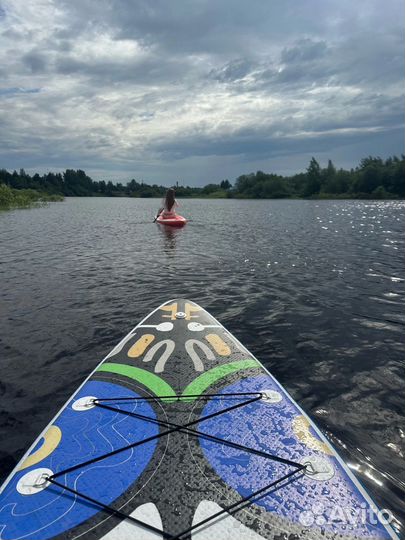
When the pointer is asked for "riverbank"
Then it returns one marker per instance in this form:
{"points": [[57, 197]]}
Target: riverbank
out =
{"points": [[24, 198], [374, 178]]}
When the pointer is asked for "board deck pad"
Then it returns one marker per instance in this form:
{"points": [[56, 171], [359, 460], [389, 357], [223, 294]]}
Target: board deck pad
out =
{"points": [[181, 433]]}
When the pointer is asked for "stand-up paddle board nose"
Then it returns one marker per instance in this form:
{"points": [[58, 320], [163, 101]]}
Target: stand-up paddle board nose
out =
{"points": [[181, 433]]}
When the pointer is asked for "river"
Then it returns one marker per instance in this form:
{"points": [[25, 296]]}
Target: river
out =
{"points": [[314, 289]]}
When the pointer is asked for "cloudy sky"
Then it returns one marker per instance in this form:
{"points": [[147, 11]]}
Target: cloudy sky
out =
{"points": [[198, 90]]}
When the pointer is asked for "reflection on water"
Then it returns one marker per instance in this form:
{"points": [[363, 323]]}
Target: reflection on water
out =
{"points": [[314, 288], [169, 238]]}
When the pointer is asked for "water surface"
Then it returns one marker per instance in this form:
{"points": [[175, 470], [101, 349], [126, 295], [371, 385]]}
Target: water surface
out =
{"points": [[314, 289]]}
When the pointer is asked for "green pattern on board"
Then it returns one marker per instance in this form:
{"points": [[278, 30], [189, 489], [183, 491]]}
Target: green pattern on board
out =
{"points": [[154, 383], [202, 382]]}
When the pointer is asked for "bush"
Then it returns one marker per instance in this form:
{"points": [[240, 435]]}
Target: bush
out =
{"points": [[23, 198]]}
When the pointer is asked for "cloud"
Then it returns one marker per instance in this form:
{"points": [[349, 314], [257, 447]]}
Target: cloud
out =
{"points": [[128, 88], [13, 91]]}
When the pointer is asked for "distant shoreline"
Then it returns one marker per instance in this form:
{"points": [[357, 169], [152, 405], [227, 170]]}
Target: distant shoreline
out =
{"points": [[373, 179], [354, 197], [208, 198]]}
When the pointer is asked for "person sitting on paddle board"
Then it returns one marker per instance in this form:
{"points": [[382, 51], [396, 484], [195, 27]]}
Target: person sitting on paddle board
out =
{"points": [[169, 205]]}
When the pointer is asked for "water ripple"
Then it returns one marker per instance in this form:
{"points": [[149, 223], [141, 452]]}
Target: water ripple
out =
{"points": [[314, 288]]}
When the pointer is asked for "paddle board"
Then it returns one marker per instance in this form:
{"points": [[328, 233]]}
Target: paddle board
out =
{"points": [[180, 432], [173, 221]]}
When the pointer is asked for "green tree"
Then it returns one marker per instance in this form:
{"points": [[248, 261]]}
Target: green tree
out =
{"points": [[328, 176], [313, 179], [275, 187], [225, 184], [210, 188], [369, 175], [380, 193]]}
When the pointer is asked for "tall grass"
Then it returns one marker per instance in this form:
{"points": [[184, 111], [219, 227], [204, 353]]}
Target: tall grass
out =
{"points": [[24, 198]]}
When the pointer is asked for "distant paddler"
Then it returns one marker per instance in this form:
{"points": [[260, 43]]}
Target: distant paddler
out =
{"points": [[167, 213]]}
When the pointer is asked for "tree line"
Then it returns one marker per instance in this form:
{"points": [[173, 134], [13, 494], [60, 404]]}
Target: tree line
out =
{"points": [[372, 178]]}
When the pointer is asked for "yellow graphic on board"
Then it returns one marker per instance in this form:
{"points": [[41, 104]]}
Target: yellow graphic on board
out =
{"points": [[189, 309], [172, 309], [218, 344], [301, 426], [140, 346], [52, 438]]}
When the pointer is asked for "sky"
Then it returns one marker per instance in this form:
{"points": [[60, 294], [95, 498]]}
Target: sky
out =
{"points": [[197, 91]]}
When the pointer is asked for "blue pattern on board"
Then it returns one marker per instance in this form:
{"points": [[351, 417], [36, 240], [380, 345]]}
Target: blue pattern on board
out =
{"points": [[268, 427], [85, 435]]}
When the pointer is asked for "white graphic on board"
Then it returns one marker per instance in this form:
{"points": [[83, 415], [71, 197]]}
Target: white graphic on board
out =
{"points": [[162, 327], [225, 527], [128, 530], [198, 327], [160, 364], [34, 481], [190, 348]]}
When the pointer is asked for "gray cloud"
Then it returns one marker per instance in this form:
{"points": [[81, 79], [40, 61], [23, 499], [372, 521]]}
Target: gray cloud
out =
{"points": [[35, 61], [128, 88], [304, 51]]}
